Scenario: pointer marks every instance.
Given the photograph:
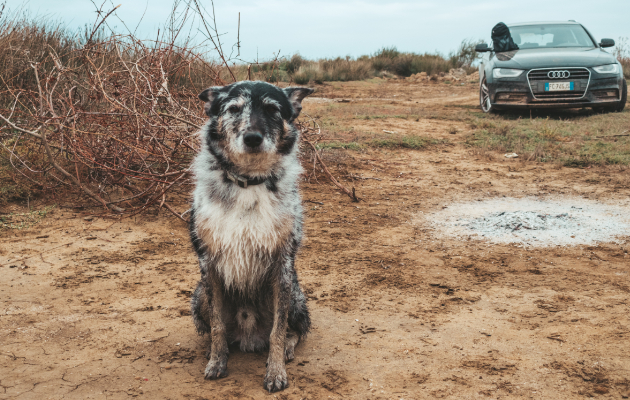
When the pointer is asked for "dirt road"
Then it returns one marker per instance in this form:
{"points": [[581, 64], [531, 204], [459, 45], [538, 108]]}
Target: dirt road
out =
{"points": [[98, 309]]}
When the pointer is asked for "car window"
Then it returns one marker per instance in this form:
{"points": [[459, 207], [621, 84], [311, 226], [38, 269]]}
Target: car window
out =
{"points": [[550, 36]]}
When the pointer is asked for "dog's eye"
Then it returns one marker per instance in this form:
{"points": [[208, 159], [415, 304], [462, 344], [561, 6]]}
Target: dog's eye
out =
{"points": [[271, 109], [234, 109]]}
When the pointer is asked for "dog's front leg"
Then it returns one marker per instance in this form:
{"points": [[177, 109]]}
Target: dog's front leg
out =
{"points": [[217, 365], [276, 377]]}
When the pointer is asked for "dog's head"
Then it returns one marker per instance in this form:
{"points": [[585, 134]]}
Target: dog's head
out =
{"points": [[251, 124]]}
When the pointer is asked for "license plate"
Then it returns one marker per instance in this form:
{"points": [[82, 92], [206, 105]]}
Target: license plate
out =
{"points": [[558, 86]]}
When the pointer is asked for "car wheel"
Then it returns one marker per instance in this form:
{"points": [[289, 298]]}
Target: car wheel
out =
{"points": [[484, 97], [624, 97]]}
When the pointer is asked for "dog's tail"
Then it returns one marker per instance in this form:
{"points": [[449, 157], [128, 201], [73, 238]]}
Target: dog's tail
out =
{"points": [[200, 309]]}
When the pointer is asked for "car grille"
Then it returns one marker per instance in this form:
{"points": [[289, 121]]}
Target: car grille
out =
{"points": [[538, 77]]}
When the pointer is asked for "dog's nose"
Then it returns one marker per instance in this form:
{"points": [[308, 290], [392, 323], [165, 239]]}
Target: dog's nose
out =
{"points": [[253, 139]]}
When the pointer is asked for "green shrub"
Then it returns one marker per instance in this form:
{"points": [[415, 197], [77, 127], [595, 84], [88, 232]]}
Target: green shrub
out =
{"points": [[294, 64], [387, 52]]}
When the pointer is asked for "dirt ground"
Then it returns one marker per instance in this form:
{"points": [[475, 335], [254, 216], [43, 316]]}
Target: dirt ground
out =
{"points": [[93, 308]]}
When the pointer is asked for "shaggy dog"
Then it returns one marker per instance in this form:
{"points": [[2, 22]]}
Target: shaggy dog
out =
{"points": [[246, 226]]}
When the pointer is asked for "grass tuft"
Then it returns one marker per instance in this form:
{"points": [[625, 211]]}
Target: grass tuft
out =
{"points": [[24, 220], [407, 142], [339, 145]]}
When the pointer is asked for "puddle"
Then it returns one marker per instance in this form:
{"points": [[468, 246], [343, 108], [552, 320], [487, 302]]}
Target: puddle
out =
{"points": [[562, 221]]}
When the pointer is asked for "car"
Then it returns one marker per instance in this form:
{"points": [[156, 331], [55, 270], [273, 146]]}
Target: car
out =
{"points": [[557, 65]]}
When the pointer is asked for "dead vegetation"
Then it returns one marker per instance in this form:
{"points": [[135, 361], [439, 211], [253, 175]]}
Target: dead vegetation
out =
{"points": [[622, 51], [106, 114], [387, 61]]}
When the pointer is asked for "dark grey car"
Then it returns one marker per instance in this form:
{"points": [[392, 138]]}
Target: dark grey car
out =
{"points": [[557, 65]]}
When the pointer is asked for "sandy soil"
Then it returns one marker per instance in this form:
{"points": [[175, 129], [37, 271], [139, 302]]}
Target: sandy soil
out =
{"points": [[94, 308]]}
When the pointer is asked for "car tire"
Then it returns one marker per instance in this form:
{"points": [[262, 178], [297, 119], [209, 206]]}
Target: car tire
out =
{"points": [[484, 98], [624, 97]]}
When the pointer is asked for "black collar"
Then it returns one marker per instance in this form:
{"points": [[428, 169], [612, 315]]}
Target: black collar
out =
{"points": [[243, 181]]}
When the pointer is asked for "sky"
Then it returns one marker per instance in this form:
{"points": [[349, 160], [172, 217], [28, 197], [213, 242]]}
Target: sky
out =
{"points": [[325, 28]]}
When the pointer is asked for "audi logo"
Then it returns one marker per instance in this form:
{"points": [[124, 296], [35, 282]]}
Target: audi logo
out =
{"points": [[558, 74]]}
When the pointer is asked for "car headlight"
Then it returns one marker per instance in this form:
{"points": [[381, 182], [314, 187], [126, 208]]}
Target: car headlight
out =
{"points": [[506, 73], [607, 69]]}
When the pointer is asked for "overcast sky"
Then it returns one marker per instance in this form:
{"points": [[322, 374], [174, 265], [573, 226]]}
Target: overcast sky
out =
{"points": [[326, 28]]}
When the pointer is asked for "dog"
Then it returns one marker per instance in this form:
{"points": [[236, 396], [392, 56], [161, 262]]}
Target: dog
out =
{"points": [[246, 226]]}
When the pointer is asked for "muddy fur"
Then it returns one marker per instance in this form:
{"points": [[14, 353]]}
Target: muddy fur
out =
{"points": [[247, 236]]}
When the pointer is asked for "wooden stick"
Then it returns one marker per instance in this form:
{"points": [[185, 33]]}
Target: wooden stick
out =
{"points": [[621, 134], [600, 137], [314, 202], [179, 119], [352, 194], [174, 212]]}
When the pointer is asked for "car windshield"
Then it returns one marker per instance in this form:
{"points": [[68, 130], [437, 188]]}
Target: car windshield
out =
{"points": [[550, 36]]}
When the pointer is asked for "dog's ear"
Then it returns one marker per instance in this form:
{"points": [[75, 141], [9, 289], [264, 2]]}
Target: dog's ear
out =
{"points": [[296, 95], [208, 97], [209, 94]]}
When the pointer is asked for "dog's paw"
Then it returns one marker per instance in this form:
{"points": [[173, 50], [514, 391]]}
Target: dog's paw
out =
{"points": [[289, 354], [276, 378], [216, 369], [289, 347]]}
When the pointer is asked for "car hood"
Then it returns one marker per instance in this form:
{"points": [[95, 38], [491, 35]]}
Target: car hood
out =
{"points": [[552, 58]]}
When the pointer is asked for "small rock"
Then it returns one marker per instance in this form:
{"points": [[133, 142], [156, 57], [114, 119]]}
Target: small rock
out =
{"points": [[510, 155]]}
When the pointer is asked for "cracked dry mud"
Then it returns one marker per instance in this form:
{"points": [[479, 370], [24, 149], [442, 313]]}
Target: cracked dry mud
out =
{"points": [[397, 312]]}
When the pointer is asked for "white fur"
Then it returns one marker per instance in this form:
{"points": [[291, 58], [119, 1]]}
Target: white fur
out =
{"points": [[244, 232]]}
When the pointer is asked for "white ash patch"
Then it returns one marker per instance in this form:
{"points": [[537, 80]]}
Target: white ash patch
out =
{"points": [[536, 222], [317, 100]]}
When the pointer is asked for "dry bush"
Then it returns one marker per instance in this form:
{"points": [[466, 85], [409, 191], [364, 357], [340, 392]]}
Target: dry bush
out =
{"points": [[406, 64], [622, 52], [338, 69], [109, 115]]}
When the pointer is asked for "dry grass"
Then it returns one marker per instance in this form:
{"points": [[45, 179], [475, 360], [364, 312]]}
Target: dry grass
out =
{"points": [[570, 138], [622, 51], [102, 113], [24, 220], [385, 61]]}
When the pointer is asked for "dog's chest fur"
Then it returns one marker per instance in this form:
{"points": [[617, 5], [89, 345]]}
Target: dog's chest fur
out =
{"points": [[243, 236]]}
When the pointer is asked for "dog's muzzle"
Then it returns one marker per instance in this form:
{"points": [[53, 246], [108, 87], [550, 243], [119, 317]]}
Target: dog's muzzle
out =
{"points": [[253, 139]]}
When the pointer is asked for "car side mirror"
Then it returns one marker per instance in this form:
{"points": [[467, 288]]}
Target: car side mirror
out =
{"points": [[607, 43], [482, 48]]}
